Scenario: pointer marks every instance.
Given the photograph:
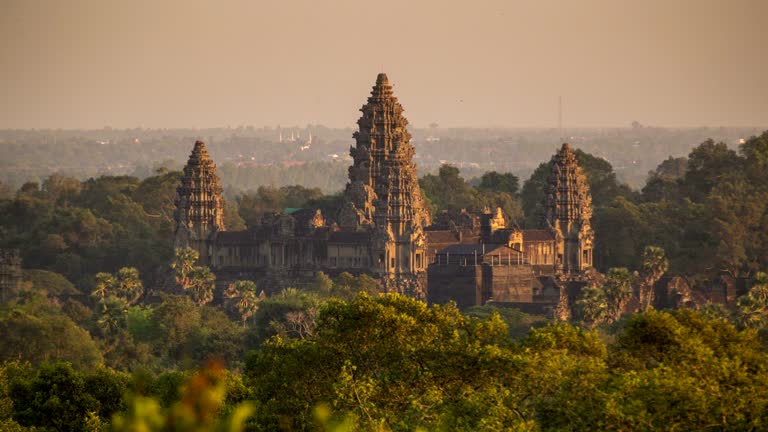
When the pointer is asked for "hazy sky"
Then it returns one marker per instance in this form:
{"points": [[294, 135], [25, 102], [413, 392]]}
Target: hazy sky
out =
{"points": [[186, 63]]}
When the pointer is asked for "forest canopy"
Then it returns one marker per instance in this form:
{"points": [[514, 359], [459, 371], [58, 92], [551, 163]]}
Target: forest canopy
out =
{"points": [[114, 329]]}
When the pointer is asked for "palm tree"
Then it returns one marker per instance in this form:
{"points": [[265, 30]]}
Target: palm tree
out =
{"points": [[618, 291], [129, 286], [183, 265], [605, 304], [113, 311], [201, 285], [592, 306], [247, 301], [104, 285], [655, 264], [753, 306]]}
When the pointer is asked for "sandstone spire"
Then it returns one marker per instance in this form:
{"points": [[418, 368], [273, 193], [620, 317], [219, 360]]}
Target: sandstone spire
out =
{"points": [[383, 192], [199, 206], [568, 210], [383, 184]]}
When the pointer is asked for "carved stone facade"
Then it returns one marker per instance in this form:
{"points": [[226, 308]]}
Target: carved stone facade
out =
{"points": [[199, 206], [380, 228], [10, 273], [568, 210], [383, 194], [536, 270]]}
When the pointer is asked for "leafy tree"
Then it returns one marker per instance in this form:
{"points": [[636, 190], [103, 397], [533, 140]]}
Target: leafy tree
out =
{"points": [[496, 182], [271, 199], [664, 183], [53, 283], [592, 305], [61, 190], [232, 219], [176, 318], [35, 330], [155, 194], [290, 313], [709, 164], [57, 397], [682, 371], [388, 363], [447, 189], [346, 286], [201, 408], [217, 338], [322, 284]]}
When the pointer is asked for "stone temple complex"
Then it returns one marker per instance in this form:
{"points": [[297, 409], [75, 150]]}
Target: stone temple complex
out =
{"points": [[384, 229]]}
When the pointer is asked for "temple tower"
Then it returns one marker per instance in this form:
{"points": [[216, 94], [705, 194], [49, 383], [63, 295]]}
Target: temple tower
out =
{"points": [[568, 210], [383, 194], [199, 206], [10, 274]]}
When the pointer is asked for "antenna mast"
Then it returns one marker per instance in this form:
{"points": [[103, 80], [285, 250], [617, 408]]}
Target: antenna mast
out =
{"points": [[560, 117]]}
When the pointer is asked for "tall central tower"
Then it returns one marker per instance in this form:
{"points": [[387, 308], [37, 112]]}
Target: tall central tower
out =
{"points": [[568, 210], [383, 194], [199, 206]]}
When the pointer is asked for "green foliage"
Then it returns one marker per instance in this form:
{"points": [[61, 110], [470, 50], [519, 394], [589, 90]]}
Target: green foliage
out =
{"points": [[176, 318], [518, 322], [183, 264], [290, 313], [707, 212], [217, 338], [199, 282], [449, 191], [203, 399], [601, 178], [34, 329], [60, 398], [140, 323], [654, 265], [388, 362], [78, 229], [493, 181], [605, 304], [246, 301], [202, 284], [53, 283], [753, 306], [271, 199], [125, 285]]}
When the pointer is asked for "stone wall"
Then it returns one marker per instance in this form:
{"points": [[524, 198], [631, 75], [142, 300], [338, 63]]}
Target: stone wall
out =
{"points": [[507, 283], [454, 283], [10, 273]]}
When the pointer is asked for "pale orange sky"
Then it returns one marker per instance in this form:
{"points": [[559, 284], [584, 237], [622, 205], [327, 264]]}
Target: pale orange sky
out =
{"points": [[187, 63]]}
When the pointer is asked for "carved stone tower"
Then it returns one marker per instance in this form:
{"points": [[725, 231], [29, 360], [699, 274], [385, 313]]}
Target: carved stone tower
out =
{"points": [[199, 207], [10, 274], [383, 194], [568, 210]]}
